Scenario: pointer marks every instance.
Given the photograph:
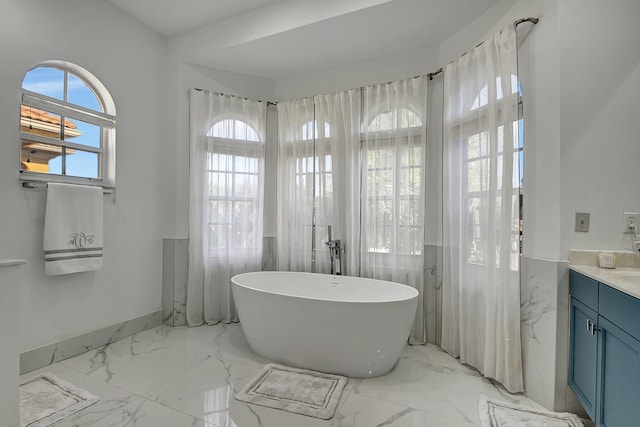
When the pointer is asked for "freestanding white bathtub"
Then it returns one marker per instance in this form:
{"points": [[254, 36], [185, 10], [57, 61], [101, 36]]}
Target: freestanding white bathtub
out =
{"points": [[337, 324]]}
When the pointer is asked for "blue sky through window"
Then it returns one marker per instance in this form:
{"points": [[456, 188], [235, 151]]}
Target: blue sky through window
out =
{"points": [[49, 81]]}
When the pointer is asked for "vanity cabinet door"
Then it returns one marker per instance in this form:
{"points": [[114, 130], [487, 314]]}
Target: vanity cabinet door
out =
{"points": [[618, 377], [583, 362]]}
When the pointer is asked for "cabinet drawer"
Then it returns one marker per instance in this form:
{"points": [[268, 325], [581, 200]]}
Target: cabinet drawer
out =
{"points": [[620, 309], [583, 289]]}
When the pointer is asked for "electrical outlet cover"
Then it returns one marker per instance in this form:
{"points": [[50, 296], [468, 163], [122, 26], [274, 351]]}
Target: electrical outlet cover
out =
{"points": [[631, 218]]}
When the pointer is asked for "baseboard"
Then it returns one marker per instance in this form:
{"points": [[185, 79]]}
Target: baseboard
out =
{"points": [[52, 353]]}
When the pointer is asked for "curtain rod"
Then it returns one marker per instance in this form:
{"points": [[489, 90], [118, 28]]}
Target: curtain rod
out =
{"points": [[236, 96], [515, 23]]}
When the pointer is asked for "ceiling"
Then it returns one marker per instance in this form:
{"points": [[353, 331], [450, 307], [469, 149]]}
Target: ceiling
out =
{"points": [[276, 39]]}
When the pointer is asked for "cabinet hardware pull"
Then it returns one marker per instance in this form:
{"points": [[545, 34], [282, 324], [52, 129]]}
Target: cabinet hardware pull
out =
{"points": [[591, 327]]}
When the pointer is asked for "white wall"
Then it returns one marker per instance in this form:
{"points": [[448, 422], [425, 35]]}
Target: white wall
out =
{"points": [[600, 85], [130, 61], [402, 65]]}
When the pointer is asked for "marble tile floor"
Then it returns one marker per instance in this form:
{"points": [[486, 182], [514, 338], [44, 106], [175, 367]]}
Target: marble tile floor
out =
{"points": [[188, 377]]}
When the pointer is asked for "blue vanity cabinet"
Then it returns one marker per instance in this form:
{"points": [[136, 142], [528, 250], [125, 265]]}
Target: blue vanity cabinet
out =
{"points": [[583, 362], [583, 348], [604, 366], [619, 358], [618, 377]]}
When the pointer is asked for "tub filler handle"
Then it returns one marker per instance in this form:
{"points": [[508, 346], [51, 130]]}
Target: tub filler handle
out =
{"points": [[335, 253]]}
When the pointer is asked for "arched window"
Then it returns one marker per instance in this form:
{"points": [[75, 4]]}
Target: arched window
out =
{"points": [[480, 159], [67, 126], [235, 166], [393, 142], [310, 131], [394, 119], [482, 98], [233, 129]]}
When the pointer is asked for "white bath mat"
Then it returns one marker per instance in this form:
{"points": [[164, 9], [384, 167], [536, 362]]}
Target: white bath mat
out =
{"points": [[300, 391], [47, 399], [494, 413]]}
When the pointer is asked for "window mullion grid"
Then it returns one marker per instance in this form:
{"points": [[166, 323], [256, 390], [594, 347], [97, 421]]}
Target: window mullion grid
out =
{"points": [[65, 97], [100, 155], [57, 106], [59, 143], [63, 152], [65, 93]]}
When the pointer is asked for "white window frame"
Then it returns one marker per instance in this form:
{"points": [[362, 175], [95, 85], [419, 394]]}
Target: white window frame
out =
{"points": [[382, 143], [466, 132], [313, 133], [105, 119], [234, 148]]}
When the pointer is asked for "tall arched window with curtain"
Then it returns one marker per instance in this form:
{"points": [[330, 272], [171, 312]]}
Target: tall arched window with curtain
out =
{"points": [[482, 146], [319, 151], [393, 186], [355, 160], [478, 157], [227, 146], [234, 171], [394, 175], [296, 177]]}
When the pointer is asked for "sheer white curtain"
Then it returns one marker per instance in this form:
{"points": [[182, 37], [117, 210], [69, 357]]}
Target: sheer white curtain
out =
{"points": [[226, 178], [481, 290], [319, 140], [339, 204], [362, 164], [392, 176], [296, 170]]}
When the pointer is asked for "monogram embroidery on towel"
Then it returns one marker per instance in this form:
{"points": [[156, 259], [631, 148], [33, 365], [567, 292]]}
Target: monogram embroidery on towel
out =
{"points": [[81, 248], [81, 240]]}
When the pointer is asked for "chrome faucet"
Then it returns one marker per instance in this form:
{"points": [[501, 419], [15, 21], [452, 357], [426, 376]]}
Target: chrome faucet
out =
{"points": [[335, 250]]}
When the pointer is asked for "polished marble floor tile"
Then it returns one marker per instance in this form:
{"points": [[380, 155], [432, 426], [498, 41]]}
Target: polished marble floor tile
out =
{"points": [[189, 376]]}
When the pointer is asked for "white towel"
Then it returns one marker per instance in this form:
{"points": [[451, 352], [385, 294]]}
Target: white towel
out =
{"points": [[73, 229]]}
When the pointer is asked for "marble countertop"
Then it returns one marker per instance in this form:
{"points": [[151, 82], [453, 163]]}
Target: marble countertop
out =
{"points": [[626, 280], [11, 262]]}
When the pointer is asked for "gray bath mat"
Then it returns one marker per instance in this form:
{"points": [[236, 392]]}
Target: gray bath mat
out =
{"points": [[494, 413], [300, 391], [47, 399]]}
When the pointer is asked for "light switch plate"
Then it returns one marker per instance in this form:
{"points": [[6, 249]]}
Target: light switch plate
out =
{"points": [[582, 222]]}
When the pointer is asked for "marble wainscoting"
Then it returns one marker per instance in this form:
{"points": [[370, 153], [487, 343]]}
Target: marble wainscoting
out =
{"points": [[50, 354], [544, 309], [175, 273], [433, 293]]}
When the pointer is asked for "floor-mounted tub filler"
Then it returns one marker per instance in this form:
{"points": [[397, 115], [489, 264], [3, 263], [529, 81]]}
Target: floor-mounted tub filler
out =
{"points": [[336, 324]]}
